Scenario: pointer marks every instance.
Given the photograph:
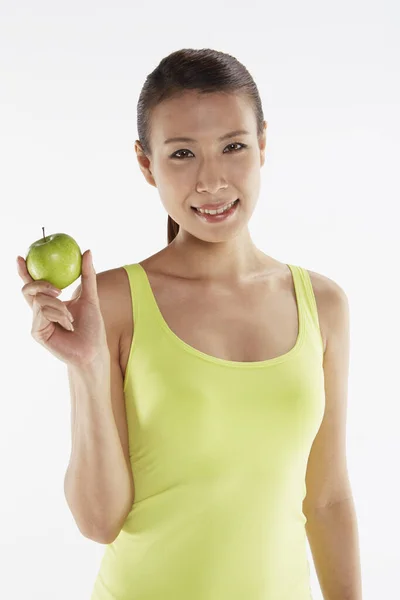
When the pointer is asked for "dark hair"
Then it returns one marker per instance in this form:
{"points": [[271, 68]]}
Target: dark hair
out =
{"points": [[204, 70]]}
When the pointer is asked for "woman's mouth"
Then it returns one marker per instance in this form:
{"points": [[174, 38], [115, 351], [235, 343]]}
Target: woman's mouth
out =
{"points": [[216, 218]]}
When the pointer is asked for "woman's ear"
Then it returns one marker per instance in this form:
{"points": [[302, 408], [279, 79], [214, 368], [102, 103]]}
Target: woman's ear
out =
{"points": [[144, 164]]}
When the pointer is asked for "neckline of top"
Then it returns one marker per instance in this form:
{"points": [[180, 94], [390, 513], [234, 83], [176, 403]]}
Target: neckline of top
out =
{"points": [[235, 363]]}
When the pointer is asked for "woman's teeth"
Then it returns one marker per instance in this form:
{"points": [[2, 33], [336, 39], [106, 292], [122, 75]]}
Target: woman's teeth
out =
{"points": [[216, 212]]}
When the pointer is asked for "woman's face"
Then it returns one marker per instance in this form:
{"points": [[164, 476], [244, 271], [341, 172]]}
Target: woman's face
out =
{"points": [[205, 170]]}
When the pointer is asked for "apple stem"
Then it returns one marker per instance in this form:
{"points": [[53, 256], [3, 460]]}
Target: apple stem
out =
{"points": [[44, 237]]}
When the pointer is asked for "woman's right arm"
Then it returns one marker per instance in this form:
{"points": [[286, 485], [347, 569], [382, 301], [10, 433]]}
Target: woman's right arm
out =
{"points": [[98, 483]]}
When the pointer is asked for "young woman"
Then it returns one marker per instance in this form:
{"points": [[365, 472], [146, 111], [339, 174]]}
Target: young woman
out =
{"points": [[208, 381]]}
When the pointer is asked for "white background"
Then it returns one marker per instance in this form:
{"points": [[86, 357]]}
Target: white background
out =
{"points": [[71, 74]]}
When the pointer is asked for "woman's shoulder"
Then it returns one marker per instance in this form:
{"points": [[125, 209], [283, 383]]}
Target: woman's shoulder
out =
{"points": [[113, 290], [113, 283], [330, 299], [326, 290]]}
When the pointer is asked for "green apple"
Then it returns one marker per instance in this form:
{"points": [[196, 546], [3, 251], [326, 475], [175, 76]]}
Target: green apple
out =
{"points": [[55, 258]]}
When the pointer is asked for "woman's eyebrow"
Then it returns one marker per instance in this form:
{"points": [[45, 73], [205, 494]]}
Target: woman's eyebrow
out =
{"points": [[220, 139]]}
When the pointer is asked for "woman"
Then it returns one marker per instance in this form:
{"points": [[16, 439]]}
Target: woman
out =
{"points": [[208, 381]]}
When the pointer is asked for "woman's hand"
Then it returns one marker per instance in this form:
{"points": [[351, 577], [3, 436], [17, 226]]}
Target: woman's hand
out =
{"points": [[73, 330]]}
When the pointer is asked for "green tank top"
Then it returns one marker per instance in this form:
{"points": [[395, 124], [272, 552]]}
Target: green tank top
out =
{"points": [[219, 451]]}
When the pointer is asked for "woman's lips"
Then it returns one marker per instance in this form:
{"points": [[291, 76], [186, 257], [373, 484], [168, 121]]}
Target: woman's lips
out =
{"points": [[217, 217], [215, 206]]}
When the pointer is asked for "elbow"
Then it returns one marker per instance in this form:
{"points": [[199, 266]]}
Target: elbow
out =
{"points": [[100, 538], [96, 534], [109, 536], [102, 534], [99, 527]]}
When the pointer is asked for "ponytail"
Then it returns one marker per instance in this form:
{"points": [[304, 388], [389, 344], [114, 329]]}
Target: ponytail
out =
{"points": [[173, 229]]}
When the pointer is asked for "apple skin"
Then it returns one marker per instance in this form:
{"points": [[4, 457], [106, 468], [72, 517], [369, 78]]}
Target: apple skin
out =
{"points": [[55, 258]]}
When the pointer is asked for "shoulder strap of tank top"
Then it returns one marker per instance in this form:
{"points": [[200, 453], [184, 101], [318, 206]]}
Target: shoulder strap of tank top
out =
{"points": [[307, 298], [144, 307], [137, 289]]}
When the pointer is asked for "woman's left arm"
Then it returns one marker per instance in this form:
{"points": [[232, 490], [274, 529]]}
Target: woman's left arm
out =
{"points": [[331, 525]]}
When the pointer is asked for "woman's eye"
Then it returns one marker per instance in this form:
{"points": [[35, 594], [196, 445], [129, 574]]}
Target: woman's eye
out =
{"points": [[174, 155]]}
